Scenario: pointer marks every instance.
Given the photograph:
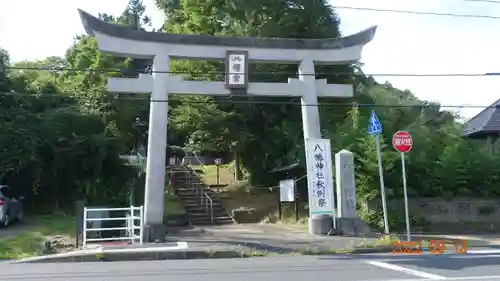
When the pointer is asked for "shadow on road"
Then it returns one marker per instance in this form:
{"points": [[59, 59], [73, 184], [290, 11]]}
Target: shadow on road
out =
{"points": [[257, 238]]}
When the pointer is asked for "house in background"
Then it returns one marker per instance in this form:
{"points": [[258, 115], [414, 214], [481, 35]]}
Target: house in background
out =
{"points": [[485, 125]]}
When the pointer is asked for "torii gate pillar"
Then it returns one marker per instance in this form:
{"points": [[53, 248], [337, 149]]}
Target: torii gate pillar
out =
{"points": [[237, 51], [309, 101]]}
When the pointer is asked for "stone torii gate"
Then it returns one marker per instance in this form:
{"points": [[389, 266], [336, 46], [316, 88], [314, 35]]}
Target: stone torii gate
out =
{"points": [[237, 52]]}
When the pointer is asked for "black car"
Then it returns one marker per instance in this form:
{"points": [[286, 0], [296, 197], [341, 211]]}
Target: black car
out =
{"points": [[11, 206]]}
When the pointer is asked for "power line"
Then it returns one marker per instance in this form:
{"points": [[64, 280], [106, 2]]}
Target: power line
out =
{"points": [[121, 71], [149, 71], [415, 12], [146, 97]]}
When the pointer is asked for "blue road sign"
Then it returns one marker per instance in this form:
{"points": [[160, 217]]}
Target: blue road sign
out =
{"points": [[375, 127]]}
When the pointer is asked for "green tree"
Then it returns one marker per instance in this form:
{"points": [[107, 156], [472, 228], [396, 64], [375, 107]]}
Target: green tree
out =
{"points": [[258, 123]]}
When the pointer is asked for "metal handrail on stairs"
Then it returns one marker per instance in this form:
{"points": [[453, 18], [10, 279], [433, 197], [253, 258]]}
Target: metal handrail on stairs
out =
{"points": [[204, 197], [209, 200]]}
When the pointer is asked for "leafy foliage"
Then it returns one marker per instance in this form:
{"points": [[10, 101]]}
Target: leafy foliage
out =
{"points": [[61, 133], [442, 163], [62, 136]]}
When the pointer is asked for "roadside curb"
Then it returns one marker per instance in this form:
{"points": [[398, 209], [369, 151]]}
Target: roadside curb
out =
{"points": [[137, 256], [374, 250], [451, 239], [103, 256]]}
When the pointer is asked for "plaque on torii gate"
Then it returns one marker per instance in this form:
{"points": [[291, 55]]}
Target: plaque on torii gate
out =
{"points": [[161, 47]]}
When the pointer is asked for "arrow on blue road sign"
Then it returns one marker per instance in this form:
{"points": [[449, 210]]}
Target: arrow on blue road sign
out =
{"points": [[375, 127]]}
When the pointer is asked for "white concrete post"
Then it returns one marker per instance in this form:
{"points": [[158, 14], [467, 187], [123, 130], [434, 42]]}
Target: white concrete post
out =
{"points": [[310, 117], [157, 138]]}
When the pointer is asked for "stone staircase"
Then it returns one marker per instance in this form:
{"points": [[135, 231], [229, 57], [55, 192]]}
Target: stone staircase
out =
{"points": [[202, 205]]}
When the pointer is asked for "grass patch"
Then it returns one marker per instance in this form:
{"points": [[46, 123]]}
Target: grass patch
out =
{"points": [[384, 243], [22, 246], [30, 243], [287, 217], [237, 195], [209, 174], [56, 225]]}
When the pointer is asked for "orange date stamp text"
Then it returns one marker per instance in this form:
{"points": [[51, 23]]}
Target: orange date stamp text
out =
{"points": [[432, 246]]}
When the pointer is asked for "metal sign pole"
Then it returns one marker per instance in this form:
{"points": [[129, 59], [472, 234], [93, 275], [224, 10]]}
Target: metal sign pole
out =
{"points": [[218, 184], [408, 235], [382, 187]]}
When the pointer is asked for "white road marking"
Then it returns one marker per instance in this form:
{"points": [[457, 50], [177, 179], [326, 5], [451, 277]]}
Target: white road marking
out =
{"points": [[494, 253], [180, 246], [491, 251], [102, 250], [398, 268], [472, 278], [475, 256], [475, 277]]}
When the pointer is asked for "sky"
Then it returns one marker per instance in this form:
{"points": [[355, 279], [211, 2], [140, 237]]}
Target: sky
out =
{"points": [[404, 43]]}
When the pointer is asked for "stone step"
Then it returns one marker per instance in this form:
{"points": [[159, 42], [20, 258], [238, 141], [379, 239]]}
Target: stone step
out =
{"points": [[202, 206], [204, 215], [186, 181], [189, 194], [209, 222], [215, 223], [187, 185], [194, 197], [195, 190], [202, 212], [192, 192], [191, 189], [196, 204], [199, 208], [207, 219]]}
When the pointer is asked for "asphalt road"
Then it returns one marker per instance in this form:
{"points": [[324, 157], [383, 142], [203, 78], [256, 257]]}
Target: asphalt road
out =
{"points": [[478, 266]]}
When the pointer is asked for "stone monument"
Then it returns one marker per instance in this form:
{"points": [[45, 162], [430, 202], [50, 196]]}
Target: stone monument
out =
{"points": [[348, 222], [237, 52]]}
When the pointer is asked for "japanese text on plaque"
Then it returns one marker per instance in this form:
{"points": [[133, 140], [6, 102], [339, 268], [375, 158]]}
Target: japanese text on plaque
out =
{"points": [[237, 69], [319, 176]]}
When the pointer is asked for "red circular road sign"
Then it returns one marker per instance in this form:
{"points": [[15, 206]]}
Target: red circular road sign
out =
{"points": [[402, 141]]}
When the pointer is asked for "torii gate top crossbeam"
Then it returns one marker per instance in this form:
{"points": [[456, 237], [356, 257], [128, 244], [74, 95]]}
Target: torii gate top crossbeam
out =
{"points": [[124, 41]]}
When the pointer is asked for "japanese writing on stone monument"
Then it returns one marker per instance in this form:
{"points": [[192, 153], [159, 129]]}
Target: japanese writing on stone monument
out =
{"points": [[348, 188], [346, 184], [320, 175], [236, 66]]}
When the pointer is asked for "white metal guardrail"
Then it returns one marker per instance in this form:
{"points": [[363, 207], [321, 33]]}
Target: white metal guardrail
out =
{"points": [[129, 229]]}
